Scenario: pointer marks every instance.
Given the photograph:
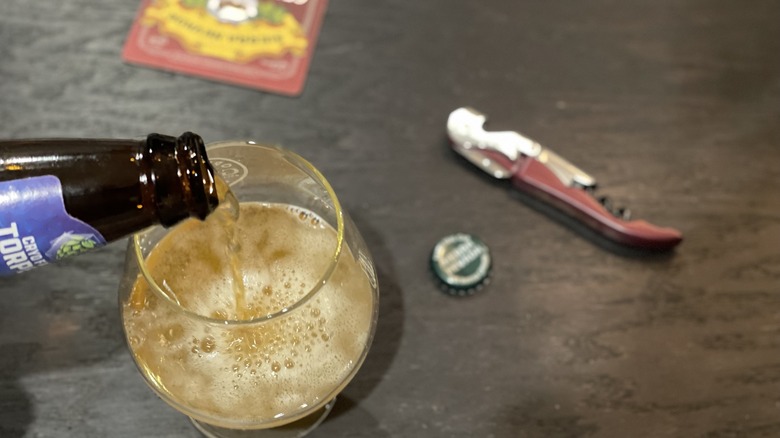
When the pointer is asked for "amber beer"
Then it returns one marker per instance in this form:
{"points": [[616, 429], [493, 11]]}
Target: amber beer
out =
{"points": [[276, 350]]}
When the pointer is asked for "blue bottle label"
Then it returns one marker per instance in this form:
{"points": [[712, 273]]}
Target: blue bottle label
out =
{"points": [[35, 229]]}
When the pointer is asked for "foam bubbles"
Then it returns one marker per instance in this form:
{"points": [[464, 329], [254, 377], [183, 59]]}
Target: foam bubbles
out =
{"points": [[293, 360]]}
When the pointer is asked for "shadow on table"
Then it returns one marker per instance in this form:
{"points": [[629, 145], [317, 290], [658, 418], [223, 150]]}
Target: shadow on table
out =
{"points": [[16, 409], [388, 334], [54, 318]]}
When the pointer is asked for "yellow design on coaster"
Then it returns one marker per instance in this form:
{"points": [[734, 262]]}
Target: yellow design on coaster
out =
{"points": [[273, 33]]}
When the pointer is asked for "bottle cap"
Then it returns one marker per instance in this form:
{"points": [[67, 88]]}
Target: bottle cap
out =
{"points": [[462, 263]]}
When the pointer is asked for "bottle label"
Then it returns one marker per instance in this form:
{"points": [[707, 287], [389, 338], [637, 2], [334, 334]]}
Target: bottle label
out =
{"points": [[35, 229]]}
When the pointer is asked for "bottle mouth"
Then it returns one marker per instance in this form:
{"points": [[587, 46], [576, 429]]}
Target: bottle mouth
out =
{"points": [[203, 185], [184, 182], [139, 243]]}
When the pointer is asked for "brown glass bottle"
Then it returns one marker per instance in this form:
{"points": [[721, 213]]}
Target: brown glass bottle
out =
{"points": [[116, 187]]}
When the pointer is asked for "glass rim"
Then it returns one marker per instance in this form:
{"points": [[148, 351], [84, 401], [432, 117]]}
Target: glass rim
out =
{"points": [[323, 279]]}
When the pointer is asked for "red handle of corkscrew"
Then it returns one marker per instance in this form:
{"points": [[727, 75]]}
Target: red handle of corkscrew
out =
{"points": [[535, 179], [544, 175]]}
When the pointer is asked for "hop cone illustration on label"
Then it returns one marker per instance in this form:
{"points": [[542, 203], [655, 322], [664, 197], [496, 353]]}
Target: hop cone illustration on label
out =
{"points": [[69, 244]]}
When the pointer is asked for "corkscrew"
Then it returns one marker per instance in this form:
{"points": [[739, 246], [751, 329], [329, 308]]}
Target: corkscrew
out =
{"points": [[548, 177]]}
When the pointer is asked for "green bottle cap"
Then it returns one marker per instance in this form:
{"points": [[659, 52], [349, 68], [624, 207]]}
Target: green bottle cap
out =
{"points": [[462, 263]]}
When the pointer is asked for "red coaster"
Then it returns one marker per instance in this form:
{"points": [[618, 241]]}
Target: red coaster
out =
{"points": [[259, 44]]}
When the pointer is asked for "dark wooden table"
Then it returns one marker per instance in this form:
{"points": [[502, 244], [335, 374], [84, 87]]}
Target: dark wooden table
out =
{"points": [[674, 105]]}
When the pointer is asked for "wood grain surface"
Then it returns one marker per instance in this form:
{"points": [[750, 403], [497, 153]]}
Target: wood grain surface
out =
{"points": [[674, 105]]}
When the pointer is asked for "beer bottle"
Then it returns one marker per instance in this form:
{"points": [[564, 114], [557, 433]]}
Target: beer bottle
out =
{"points": [[61, 197]]}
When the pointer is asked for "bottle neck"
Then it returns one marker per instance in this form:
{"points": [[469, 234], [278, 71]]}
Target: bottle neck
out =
{"points": [[181, 177]]}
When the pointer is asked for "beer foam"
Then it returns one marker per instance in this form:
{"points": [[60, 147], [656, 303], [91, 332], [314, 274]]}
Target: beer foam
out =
{"points": [[243, 375]]}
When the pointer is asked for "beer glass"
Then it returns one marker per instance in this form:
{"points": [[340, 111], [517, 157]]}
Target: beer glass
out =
{"points": [[274, 368]]}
